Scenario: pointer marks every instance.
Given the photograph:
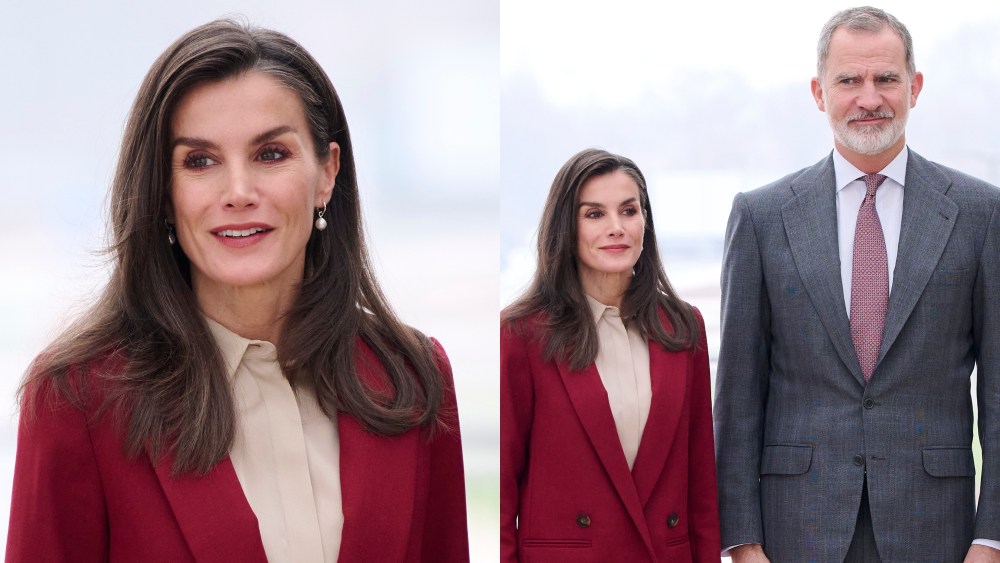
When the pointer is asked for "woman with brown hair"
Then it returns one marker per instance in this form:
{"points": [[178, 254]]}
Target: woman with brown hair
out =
{"points": [[241, 391], [606, 449]]}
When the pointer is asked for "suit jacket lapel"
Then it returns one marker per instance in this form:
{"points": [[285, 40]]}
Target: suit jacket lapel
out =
{"points": [[811, 226], [213, 514], [590, 400], [668, 372], [928, 219]]}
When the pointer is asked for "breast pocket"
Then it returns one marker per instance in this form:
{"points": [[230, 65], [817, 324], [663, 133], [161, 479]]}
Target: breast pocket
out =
{"points": [[947, 287]]}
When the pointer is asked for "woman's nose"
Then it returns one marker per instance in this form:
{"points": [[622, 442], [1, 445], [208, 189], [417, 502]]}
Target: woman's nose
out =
{"points": [[239, 189]]}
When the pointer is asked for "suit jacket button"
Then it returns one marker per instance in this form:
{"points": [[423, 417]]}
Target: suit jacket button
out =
{"points": [[673, 519], [583, 521], [859, 460], [869, 403]]}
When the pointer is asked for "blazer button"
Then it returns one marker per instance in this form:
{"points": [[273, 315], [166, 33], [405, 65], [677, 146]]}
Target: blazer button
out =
{"points": [[583, 521], [859, 460], [869, 403], [672, 520]]}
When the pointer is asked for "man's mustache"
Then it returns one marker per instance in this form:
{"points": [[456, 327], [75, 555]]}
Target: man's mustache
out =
{"points": [[870, 115]]}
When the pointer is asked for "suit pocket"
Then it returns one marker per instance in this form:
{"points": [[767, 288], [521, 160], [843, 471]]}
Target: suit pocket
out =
{"points": [[554, 543], [786, 459], [946, 288], [949, 462], [947, 277]]}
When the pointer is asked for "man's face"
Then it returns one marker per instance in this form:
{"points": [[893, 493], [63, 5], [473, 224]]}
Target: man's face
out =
{"points": [[867, 92]]}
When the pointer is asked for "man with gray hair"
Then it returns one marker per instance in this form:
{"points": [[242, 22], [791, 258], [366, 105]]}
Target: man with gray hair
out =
{"points": [[857, 297]]}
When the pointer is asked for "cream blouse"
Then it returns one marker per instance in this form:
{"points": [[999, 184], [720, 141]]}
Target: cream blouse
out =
{"points": [[286, 455], [623, 364]]}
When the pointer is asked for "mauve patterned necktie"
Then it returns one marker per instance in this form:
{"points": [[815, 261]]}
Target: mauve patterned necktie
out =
{"points": [[869, 280]]}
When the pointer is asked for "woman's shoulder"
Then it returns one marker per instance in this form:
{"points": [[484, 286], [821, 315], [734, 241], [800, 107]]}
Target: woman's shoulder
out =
{"points": [[522, 326], [82, 385]]}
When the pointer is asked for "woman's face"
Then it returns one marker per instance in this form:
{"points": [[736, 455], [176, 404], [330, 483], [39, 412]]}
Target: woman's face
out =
{"points": [[609, 226], [245, 182]]}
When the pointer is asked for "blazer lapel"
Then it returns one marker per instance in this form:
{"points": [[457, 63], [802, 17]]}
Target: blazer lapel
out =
{"points": [[811, 226], [668, 378], [590, 400], [213, 514], [928, 219], [378, 479]]}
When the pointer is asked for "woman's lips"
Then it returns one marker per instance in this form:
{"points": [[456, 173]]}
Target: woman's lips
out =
{"points": [[240, 236], [615, 248]]}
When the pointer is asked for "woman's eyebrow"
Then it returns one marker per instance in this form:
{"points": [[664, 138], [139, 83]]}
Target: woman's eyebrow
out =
{"points": [[200, 143]]}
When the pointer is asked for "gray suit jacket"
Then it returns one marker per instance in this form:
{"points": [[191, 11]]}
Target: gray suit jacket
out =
{"points": [[797, 428]]}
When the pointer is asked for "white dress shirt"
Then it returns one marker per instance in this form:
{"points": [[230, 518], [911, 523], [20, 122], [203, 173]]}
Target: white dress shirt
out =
{"points": [[623, 364], [286, 454]]}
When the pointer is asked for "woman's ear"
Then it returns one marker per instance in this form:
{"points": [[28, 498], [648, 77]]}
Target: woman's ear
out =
{"points": [[330, 169]]}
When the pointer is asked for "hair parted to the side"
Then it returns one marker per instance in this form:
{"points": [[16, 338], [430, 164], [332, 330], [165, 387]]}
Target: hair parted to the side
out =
{"points": [[173, 390], [863, 19], [555, 290]]}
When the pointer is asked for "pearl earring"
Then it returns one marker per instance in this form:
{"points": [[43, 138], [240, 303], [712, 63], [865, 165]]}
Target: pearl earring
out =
{"points": [[171, 237], [320, 221]]}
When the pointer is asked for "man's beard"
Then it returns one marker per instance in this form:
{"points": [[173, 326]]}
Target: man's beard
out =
{"points": [[869, 139]]}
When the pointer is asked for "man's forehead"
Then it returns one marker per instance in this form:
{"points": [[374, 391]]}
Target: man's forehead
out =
{"points": [[882, 48]]}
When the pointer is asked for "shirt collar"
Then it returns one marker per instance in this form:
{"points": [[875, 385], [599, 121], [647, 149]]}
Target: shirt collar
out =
{"points": [[233, 347], [846, 172], [599, 309]]}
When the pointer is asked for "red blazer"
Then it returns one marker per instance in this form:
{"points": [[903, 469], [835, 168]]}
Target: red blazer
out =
{"points": [[77, 497], [566, 493]]}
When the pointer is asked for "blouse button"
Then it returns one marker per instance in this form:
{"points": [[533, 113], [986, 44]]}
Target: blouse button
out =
{"points": [[583, 521], [673, 520]]}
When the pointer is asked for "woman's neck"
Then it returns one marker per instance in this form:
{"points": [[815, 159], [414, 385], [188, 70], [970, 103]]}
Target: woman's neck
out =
{"points": [[255, 313], [608, 289]]}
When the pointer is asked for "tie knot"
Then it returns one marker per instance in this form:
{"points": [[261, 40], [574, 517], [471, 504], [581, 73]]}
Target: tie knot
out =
{"points": [[872, 182]]}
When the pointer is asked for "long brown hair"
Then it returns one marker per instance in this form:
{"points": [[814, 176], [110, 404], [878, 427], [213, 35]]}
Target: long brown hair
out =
{"points": [[568, 326], [173, 388]]}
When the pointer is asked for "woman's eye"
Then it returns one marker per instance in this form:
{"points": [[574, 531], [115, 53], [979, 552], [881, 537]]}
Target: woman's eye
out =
{"points": [[593, 214], [272, 154], [629, 211], [199, 161]]}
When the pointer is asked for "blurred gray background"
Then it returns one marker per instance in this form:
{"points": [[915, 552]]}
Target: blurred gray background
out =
{"points": [[420, 86]]}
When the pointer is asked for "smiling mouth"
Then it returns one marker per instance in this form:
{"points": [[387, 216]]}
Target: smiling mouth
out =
{"points": [[234, 233]]}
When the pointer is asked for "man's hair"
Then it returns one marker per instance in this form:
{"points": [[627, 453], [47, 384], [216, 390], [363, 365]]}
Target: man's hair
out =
{"points": [[863, 19]]}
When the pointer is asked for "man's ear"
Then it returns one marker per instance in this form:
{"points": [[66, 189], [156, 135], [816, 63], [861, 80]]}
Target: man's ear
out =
{"points": [[916, 85], [817, 90]]}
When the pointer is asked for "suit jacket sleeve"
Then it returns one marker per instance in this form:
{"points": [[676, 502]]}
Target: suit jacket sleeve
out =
{"points": [[516, 408], [57, 510], [702, 496], [446, 532], [986, 335], [742, 380]]}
